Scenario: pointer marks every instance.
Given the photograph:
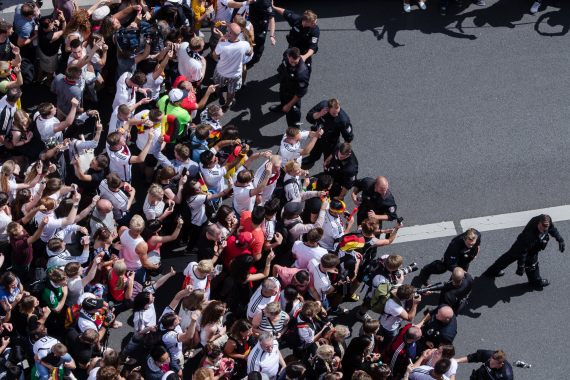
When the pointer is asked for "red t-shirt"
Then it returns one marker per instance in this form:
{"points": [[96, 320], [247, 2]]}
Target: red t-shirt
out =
{"points": [[257, 245], [22, 253], [232, 251]]}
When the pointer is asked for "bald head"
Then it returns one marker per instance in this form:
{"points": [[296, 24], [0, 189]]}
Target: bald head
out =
{"points": [[414, 333], [276, 161], [185, 85], [445, 314], [381, 185], [235, 30], [457, 276], [104, 207]]}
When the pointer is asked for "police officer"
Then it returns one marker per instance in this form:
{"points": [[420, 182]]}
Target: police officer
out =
{"points": [[261, 16], [342, 166], [293, 85], [439, 326], [462, 249], [304, 33], [495, 365], [524, 251], [456, 291], [376, 200], [334, 121]]}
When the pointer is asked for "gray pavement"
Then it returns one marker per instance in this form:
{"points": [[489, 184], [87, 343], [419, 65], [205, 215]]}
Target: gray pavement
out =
{"points": [[466, 115]]}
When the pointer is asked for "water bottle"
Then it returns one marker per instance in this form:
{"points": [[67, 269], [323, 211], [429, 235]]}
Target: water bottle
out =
{"points": [[522, 364]]}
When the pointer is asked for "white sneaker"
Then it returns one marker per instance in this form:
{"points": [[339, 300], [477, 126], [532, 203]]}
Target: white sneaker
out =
{"points": [[422, 5], [407, 7], [535, 7]]}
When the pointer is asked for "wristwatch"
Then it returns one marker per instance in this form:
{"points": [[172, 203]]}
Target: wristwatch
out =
{"points": [[76, 206]]}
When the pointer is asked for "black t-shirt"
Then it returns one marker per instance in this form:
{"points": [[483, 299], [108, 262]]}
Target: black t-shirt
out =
{"points": [[53, 360], [81, 351], [312, 206], [90, 188], [484, 356], [21, 322], [437, 332], [6, 50], [47, 47], [452, 295], [205, 247]]}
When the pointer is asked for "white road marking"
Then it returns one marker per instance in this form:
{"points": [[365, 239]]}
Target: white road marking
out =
{"points": [[515, 219], [426, 231]]}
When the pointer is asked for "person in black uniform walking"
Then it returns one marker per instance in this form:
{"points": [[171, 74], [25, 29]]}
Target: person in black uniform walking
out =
{"points": [[456, 291], [495, 365], [293, 85], [334, 121], [261, 16], [304, 33], [462, 250], [524, 251], [376, 200], [342, 166]]}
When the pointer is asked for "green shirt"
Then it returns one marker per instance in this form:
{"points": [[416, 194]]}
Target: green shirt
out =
{"points": [[51, 296], [178, 112]]}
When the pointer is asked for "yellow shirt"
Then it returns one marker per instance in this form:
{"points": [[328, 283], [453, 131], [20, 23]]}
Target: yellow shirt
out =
{"points": [[199, 10]]}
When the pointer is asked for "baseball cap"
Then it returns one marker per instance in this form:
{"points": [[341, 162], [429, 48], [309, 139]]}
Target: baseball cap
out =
{"points": [[177, 94], [245, 238], [90, 304], [351, 242], [100, 13], [337, 206], [293, 208]]}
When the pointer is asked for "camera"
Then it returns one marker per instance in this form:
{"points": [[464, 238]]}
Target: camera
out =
{"points": [[400, 219], [342, 275], [406, 270], [431, 288], [245, 142]]}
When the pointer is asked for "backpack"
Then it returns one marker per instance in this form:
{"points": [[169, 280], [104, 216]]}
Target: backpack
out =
{"points": [[380, 296], [292, 338], [154, 338], [283, 255], [38, 282], [130, 41], [71, 316], [35, 146], [280, 192]]}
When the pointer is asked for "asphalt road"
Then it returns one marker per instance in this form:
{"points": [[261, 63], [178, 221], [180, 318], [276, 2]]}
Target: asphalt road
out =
{"points": [[466, 115]]}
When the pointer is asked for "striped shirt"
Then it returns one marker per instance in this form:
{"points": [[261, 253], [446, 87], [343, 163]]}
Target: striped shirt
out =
{"points": [[6, 116], [120, 162], [152, 212], [258, 301], [267, 192], [292, 190], [118, 199], [291, 151], [274, 328], [261, 361], [268, 228], [214, 177]]}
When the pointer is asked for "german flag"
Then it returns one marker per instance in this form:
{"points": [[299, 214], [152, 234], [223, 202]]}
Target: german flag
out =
{"points": [[202, 183]]}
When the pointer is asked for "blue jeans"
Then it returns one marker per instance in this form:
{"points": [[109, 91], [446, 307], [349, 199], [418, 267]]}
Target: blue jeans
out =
{"points": [[43, 371], [125, 220], [325, 303], [140, 275]]}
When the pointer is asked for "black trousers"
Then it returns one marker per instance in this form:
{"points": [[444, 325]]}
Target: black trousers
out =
{"points": [[532, 269], [260, 35], [438, 267], [293, 117], [324, 149]]}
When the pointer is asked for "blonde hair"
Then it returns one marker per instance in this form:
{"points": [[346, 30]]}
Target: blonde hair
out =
{"points": [[137, 224], [341, 331], [120, 268], [59, 349], [33, 172], [7, 169], [291, 166], [53, 185], [242, 23], [201, 374], [155, 190], [325, 352], [276, 160], [205, 266], [194, 300], [18, 117], [273, 308]]}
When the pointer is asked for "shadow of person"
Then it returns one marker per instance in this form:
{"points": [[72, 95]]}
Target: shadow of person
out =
{"points": [[554, 19], [503, 13], [486, 293], [385, 19]]}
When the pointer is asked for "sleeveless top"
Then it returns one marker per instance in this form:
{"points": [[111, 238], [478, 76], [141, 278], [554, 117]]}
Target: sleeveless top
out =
{"points": [[203, 333], [275, 328], [118, 294], [128, 253]]}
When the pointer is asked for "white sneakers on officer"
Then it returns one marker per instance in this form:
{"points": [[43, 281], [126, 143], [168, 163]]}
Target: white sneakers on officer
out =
{"points": [[422, 5], [535, 7], [407, 7]]}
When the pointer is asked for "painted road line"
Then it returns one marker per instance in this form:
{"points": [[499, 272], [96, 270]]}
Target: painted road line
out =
{"points": [[426, 231], [515, 219]]}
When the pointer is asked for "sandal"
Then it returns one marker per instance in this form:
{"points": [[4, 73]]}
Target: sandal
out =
{"points": [[116, 325], [188, 354]]}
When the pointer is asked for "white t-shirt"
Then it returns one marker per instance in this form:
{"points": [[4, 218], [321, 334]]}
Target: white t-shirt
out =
{"points": [[241, 37], [142, 138], [96, 58], [152, 212], [390, 320], [119, 162], [260, 361], [333, 231], [258, 301], [43, 346], [243, 201], [45, 127], [189, 65], [304, 254], [268, 228], [170, 339], [321, 281], [267, 192], [87, 323], [231, 58], [292, 190], [223, 12], [147, 317], [119, 199], [124, 94], [50, 228], [423, 373], [154, 84], [115, 124], [5, 219], [198, 207], [214, 177], [292, 151], [452, 369], [198, 283]]}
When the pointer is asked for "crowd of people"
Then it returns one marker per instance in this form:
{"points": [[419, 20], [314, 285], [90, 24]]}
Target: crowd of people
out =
{"points": [[274, 264]]}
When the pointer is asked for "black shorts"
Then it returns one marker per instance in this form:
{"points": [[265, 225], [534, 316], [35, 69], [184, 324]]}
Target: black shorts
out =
{"points": [[149, 160], [361, 273]]}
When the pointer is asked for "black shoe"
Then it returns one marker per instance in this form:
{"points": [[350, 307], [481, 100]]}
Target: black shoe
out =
{"points": [[338, 311], [443, 11], [276, 108], [542, 283], [500, 274]]}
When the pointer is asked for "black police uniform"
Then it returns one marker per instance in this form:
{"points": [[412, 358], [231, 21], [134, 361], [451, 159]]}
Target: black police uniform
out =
{"points": [[293, 80], [456, 296], [437, 332], [303, 38], [373, 201], [260, 12], [343, 172], [456, 255], [332, 127], [525, 251], [485, 372]]}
